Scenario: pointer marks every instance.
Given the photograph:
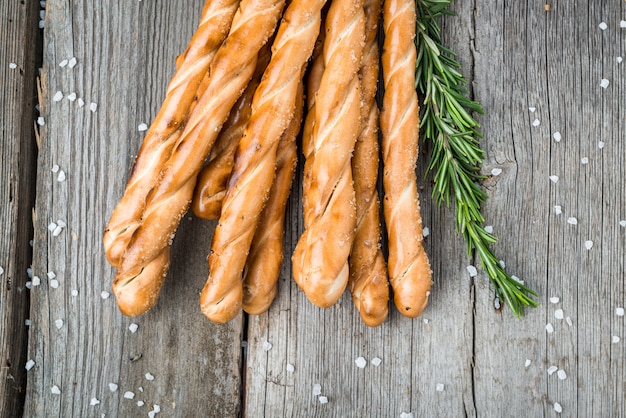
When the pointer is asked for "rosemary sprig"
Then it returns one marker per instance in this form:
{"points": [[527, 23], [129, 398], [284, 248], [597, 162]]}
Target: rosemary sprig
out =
{"points": [[446, 120]]}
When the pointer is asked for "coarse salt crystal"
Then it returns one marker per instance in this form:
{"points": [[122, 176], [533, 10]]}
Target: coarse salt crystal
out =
{"points": [[133, 327], [569, 321], [549, 328], [489, 229], [289, 367], [58, 96], [317, 389], [55, 168], [72, 62], [140, 403], [71, 97], [140, 389], [561, 374], [496, 171], [554, 178], [558, 314], [472, 271], [557, 210], [27, 322], [36, 281], [517, 279], [74, 292], [527, 363], [622, 24], [406, 415], [81, 102], [267, 346], [12, 65], [615, 339], [55, 390], [622, 224], [94, 401], [572, 221], [57, 231], [1, 271], [588, 244], [41, 121], [603, 25], [52, 226], [142, 127], [426, 321], [61, 177], [502, 264], [584, 160], [360, 362], [63, 63], [149, 376], [376, 361], [58, 323], [557, 136], [41, 24], [600, 144], [29, 365], [51, 275], [61, 223], [552, 369], [496, 303], [619, 311], [604, 83], [323, 399], [439, 387], [532, 109], [54, 283], [93, 107], [554, 299], [558, 408], [112, 387], [425, 232], [28, 284], [536, 123], [619, 60], [104, 294], [129, 395]]}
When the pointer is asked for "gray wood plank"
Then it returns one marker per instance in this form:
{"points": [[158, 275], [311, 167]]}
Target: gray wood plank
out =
{"points": [[19, 61], [125, 54]]}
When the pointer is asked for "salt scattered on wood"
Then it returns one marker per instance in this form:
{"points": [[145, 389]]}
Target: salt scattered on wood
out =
{"points": [[554, 300], [104, 294], [615, 339], [61, 177], [289, 367], [129, 395], [588, 244], [71, 97], [489, 229], [406, 415], [74, 292], [55, 390], [36, 281], [532, 109], [622, 224], [58, 96], [496, 171], [41, 121], [552, 369], [133, 327], [376, 361], [94, 401], [149, 376], [360, 362], [549, 328], [572, 221], [600, 144], [527, 363], [12, 65], [93, 107], [558, 408], [81, 102], [140, 403], [558, 314], [1, 271], [603, 26], [425, 232], [72, 62], [112, 387], [561, 374], [619, 60], [29, 365], [440, 387], [58, 323], [584, 160], [54, 283], [267, 346], [472, 271], [142, 127], [557, 210], [317, 389], [554, 179], [604, 83], [323, 399], [557, 136], [619, 311], [63, 63], [622, 24], [569, 321], [536, 123]]}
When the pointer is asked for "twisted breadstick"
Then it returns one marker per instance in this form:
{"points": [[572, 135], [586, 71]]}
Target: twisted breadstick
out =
{"points": [[212, 180], [320, 259], [165, 130], [409, 269], [260, 280], [255, 161], [369, 283], [140, 274]]}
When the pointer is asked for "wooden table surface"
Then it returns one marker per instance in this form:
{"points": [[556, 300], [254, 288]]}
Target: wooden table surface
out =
{"points": [[536, 71]]}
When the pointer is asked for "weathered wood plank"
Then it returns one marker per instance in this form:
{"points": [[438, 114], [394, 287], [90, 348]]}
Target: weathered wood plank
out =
{"points": [[125, 56], [19, 61]]}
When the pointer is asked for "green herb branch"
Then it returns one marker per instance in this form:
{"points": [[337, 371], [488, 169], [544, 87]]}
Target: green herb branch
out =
{"points": [[446, 120]]}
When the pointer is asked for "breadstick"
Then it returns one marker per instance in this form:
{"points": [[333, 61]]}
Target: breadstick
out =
{"points": [[320, 259], [260, 280], [409, 268], [165, 130], [250, 182], [212, 180], [136, 284], [369, 283]]}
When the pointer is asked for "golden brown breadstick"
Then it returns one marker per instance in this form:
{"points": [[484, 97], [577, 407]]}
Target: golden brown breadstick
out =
{"points": [[260, 280], [369, 283], [255, 161], [320, 259], [164, 131], [409, 268], [136, 286], [212, 180]]}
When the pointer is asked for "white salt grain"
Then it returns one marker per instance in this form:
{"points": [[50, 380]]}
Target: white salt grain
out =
{"points": [[289, 367], [41, 121], [63, 63], [604, 83], [323, 399], [622, 24], [142, 127], [622, 224], [554, 179], [140, 403], [406, 415], [61, 177], [54, 283], [71, 97], [29, 365], [140, 389], [496, 303], [133, 327], [615, 339], [557, 210], [536, 123], [55, 390], [51, 275], [57, 231], [527, 363], [552, 369], [149, 376], [584, 160], [600, 144], [28, 284], [561, 374], [558, 314], [426, 320], [104, 294], [572, 221], [603, 26], [619, 60], [112, 387], [558, 408], [36, 281], [557, 136], [129, 395], [554, 299], [41, 24], [72, 62], [425, 232], [58, 323], [569, 321], [549, 328], [360, 362], [317, 389], [376, 361], [58, 96], [61, 223], [81, 102], [55, 169], [532, 109], [496, 171], [588, 244], [502, 264], [489, 229], [472, 271], [439, 387], [52, 226], [267, 346], [74, 292], [619, 311], [1, 271], [93, 107], [12, 65]]}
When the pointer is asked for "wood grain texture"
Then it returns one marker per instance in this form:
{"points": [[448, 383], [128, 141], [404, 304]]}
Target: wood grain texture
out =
{"points": [[20, 57], [125, 56]]}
